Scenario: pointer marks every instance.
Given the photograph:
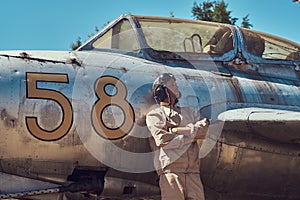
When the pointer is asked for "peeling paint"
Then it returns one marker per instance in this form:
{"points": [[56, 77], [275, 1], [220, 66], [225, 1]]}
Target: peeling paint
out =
{"points": [[9, 121], [124, 69], [24, 55], [237, 88]]}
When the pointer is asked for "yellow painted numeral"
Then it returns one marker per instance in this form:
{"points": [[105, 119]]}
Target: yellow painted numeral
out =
{"points": [[106, 100], [33, 92]]}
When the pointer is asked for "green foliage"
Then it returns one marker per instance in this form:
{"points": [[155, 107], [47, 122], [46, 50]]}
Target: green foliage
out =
{"points": [[203, 11], [105, 24], [76, 44], [216, 11], [93, 33], [221, 14], [171, 14], [246, 23]]}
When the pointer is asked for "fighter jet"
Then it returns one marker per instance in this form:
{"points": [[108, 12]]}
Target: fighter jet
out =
{"points": [[73, 122]]}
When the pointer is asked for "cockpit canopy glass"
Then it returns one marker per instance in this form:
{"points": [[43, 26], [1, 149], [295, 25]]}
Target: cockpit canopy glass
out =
{"points": [[186, 36], [269, 46], [168, 35], [121, 36], [189, 38]]}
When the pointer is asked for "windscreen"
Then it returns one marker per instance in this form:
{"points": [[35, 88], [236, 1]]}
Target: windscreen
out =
{"points": [[120, 36], [185, 36]]}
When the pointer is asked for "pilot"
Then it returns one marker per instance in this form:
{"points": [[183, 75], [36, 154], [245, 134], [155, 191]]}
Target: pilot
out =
{"points": [[175, 131]]}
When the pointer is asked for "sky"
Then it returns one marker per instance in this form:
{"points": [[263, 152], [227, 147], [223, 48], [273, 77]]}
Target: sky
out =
{"points": [[55, 24]]}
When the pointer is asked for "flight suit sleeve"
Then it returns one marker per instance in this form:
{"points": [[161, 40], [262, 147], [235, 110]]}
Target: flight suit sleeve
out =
{"points": [[163, 138]]}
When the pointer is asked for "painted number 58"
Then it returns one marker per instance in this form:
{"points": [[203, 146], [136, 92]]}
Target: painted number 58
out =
{"points": [[104, 101]]}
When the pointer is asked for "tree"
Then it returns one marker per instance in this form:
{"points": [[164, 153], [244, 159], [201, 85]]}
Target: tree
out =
{"points": [[203, 11], [96, 30], [76, 44], [105, 24], [221, 14], [171, 14], [216, 11], [246, 23]]}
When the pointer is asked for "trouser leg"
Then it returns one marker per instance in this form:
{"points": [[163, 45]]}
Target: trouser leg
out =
{"points": [[171, 187], [194, 187], [180, 186]]}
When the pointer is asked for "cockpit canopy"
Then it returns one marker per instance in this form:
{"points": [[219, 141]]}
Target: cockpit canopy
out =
{"points": [[170, 38], [269, 46]]}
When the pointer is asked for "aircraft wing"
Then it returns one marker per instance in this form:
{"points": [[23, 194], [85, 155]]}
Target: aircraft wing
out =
{"points": [[275, 124]]}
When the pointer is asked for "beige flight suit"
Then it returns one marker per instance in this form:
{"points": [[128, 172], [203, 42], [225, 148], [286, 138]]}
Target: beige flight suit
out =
{"points": [[176, 156]]}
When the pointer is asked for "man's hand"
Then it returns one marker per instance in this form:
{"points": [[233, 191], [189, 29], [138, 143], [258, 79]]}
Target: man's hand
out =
{"points": [[202, 123], [198, 130], [202, 128]]}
